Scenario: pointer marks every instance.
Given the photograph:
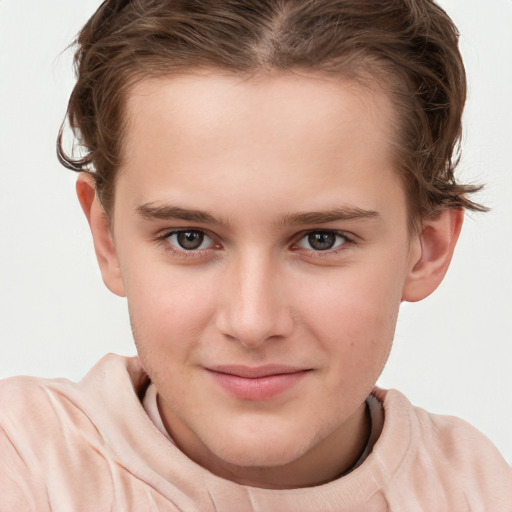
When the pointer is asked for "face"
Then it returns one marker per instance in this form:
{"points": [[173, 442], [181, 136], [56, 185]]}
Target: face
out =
{"points": [[261, 233]]}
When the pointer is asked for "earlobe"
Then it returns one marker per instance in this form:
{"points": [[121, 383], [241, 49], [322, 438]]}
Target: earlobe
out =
{"points": [[101, 234], [431, 256]]}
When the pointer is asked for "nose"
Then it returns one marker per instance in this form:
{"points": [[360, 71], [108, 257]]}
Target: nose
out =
{"points": [[254, 307]]}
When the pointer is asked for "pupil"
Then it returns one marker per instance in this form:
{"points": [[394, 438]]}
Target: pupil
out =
{"points": [[322, 240], [190, 239]]}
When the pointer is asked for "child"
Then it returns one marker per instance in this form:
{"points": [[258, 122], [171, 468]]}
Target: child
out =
{"points": [[265, 182]]}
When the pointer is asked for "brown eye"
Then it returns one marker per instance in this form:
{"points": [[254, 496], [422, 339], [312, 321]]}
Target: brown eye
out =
{"points": [[322, 240], [189, 240]]}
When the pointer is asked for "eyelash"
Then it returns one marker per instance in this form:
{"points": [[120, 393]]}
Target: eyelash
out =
{"points": [[347, 242], [184, 253], [197, 253]]}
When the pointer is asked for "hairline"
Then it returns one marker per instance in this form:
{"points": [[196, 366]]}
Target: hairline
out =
{"points": [[369, 73]]}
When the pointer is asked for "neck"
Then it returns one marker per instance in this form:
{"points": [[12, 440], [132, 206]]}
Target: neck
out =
{"points": [[330, 458]]}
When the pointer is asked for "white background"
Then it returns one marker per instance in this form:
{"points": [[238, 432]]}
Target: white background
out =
{"points": [[453, 351]]}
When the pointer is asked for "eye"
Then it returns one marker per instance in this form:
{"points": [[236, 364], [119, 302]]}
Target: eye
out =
{"points": [[322, 240], [189, 240]]}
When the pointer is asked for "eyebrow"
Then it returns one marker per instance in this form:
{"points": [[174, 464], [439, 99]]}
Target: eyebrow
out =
{"points": [[150, 211], [323, 217], [168, 212]]}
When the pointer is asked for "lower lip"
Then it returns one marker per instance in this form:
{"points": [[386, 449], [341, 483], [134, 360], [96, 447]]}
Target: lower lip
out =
{"points": [[262, 388]]}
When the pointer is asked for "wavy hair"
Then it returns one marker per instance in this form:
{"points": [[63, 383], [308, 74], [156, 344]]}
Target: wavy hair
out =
{"points": [[409, 47]]}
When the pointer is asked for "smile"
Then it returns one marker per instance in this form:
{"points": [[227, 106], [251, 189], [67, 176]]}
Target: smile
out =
{"points": [[256, 384]]}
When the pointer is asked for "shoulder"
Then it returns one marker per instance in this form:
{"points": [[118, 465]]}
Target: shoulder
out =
{"points": [[58, 428], [30, 405], [33, 408], [40, 400], [38, 415], [34, 418], [447, 459], [459, 445]]}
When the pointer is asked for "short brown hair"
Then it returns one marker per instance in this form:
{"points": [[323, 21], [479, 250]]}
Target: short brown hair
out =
{"points": [[411, 46]]}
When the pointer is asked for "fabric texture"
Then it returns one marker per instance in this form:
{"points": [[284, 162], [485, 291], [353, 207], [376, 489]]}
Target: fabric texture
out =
{"points": [[91, 446]]}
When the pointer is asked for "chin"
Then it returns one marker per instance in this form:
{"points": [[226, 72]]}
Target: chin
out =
{"points": [[256, 457], [261, 450]]}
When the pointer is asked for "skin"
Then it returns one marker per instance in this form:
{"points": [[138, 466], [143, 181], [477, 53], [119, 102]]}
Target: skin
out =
{"points": [[256, 154]]}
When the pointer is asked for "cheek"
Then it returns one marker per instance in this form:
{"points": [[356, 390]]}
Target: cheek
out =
{"points": [[354, 315], [168, 309]]}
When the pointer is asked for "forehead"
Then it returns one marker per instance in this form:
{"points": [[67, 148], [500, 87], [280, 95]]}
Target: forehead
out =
{"points": [[290, 134], [198, 106]]}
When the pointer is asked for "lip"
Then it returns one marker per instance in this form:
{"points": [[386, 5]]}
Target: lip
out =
{"points": [[257, 383]]}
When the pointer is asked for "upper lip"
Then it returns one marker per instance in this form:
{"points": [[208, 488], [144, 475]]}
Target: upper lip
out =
{"points": [[256, 372]]}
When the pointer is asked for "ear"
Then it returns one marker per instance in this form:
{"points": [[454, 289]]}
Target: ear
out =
{"points": [[431, 252], [101, 234]]}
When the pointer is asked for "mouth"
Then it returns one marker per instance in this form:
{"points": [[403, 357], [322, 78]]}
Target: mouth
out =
{"points": [[257, 383]]}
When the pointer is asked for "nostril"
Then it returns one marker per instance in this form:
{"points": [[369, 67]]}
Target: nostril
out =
{"points": [[257, 330], [252, 308]]}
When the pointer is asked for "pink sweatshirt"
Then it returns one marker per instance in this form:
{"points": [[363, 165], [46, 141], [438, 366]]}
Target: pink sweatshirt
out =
{"points": [[92, 447]]}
